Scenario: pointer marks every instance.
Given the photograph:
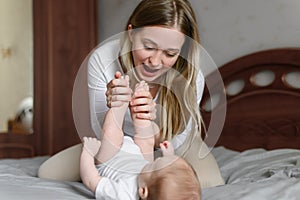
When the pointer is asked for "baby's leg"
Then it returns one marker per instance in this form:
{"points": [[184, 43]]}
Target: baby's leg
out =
{"points": [[144, 130], [88, 172], [112, 133]]}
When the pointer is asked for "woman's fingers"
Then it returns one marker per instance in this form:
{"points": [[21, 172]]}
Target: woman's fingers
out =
{"points": [[118, 74], [111, 104], [145, 111], [118, 91], [147, 116], [120, 82], [140, 94], [142, 103]]}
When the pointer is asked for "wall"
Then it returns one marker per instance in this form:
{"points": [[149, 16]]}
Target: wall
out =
{"points": [[16, 66], [228, 28]]}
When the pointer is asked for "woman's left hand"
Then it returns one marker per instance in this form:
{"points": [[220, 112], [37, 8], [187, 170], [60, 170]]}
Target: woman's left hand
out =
{"points": [[143, 105]]}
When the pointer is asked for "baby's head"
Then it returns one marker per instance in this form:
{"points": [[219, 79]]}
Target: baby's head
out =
{"points": [[169, 177]]}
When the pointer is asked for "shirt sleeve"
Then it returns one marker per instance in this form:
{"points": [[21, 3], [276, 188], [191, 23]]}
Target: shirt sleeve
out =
{"points": [[180, 138], [97, 82]]}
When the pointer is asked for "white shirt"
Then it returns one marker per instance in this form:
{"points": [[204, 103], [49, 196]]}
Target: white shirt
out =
{"points": [[119, 174], [102, 67]]}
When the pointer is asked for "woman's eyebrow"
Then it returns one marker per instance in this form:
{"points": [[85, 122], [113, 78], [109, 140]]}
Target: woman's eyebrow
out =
{"points": [[173, 50], [154, 43], [149, 41]]}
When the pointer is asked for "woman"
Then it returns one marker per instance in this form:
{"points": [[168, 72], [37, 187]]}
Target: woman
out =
{"points": [[160, 45], [162, 50]]}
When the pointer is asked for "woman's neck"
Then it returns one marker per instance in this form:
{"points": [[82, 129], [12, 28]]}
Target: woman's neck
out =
{"points": [[153, 89]]}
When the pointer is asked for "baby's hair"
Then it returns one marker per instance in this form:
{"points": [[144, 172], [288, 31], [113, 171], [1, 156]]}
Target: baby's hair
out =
{"points": [[177, 181]]}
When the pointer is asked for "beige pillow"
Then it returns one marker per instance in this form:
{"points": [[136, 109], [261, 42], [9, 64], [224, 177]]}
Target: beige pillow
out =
{"points": [[205, 165], [63, 166]]}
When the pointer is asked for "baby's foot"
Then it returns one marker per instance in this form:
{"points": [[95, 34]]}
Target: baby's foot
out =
{"points": [[140, 87], [91, 145], [144, 128]]}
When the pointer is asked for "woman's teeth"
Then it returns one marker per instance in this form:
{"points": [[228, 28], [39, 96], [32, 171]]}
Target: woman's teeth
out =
{"points": [[148, 69]]}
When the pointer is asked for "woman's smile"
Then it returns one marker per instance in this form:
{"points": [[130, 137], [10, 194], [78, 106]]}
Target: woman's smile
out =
{"points": [[149, 70]]}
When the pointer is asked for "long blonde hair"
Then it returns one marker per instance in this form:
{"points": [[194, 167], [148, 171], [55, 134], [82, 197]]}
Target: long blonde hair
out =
{"points": [[178, 89]]}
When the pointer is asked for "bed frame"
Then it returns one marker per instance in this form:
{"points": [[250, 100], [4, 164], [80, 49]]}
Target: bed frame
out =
{"points": [[261, 114]]}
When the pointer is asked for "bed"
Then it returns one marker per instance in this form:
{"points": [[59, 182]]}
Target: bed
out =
{"points": [[257, 151]]}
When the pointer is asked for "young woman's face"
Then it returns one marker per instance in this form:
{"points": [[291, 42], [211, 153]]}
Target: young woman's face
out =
{"points": [[155, 50]]}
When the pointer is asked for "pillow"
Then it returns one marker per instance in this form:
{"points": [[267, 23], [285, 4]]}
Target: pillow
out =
{"points": [[63, 166], [204, 163]]}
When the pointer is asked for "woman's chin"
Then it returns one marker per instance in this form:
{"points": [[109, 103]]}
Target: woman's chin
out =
{"points": [[148, 77], [151, 79]]}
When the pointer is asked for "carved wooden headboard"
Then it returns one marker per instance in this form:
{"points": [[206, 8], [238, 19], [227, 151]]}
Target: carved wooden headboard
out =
{"points": [[263, 101]]}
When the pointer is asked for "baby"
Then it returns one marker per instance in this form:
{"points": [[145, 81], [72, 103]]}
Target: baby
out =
{"points": [[122, 168]]}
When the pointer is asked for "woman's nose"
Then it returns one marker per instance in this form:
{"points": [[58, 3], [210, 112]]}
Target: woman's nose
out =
{"points": [[156, 58]]}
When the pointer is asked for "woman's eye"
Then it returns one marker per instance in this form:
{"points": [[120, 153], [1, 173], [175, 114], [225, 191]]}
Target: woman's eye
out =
{"points": [[171, 54], [149, 48]]}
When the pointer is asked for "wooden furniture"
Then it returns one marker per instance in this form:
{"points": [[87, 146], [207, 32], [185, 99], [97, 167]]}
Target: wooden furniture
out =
{"points": [[264, 113], [64, 33]]}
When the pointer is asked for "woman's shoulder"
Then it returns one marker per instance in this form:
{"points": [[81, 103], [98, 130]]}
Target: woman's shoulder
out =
{"points": [[107, 50], [105, 56]]}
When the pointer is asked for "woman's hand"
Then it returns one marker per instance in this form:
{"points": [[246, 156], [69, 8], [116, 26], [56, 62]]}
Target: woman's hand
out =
{"points": [[167, 148], [142, 105], [118, 91]]}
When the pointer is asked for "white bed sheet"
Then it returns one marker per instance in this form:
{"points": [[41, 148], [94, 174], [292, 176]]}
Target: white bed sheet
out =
{"points": [[19, 181], [255, 174]]}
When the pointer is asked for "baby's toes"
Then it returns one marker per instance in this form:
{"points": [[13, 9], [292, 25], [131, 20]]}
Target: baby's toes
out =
{"points": [[140, 85]]}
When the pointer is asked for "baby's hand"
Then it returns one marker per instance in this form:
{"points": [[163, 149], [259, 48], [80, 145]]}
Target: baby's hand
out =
{"points": [[167, 148]]}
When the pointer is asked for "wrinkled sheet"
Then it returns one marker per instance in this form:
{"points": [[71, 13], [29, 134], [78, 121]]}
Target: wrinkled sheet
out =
{"points": [[255, 174], [19, 181]]}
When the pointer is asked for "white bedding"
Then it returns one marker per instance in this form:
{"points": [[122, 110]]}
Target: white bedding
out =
{"points": [[18, 181], [254, 174], [257, 174]]}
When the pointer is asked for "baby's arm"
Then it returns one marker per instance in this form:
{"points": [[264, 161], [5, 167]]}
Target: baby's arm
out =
{"points": [[88, 172], [112, 133]]}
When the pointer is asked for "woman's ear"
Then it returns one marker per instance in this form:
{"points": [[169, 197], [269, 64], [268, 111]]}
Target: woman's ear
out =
{"points": [[129, 29], [143, 192]]}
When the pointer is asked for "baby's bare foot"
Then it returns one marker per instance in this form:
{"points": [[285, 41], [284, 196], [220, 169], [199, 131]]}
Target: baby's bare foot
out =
{"points": [[140, 87], [144, 128], [91, 145]]}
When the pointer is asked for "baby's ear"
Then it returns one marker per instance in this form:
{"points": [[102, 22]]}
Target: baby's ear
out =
{"points": [[143, 192]]}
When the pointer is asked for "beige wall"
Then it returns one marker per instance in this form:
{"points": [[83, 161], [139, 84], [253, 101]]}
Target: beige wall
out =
{"points": [[228, 28], [16, 69]]}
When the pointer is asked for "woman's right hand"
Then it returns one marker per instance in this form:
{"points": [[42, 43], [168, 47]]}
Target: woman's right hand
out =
{"points": [[118, 91]]}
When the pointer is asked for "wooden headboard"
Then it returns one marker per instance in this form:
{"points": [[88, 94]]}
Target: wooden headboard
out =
{"points": [[263, 101]]}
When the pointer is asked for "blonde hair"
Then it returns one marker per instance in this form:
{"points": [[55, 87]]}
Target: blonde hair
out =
{"points": [[176, 97], [177, 181]]}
